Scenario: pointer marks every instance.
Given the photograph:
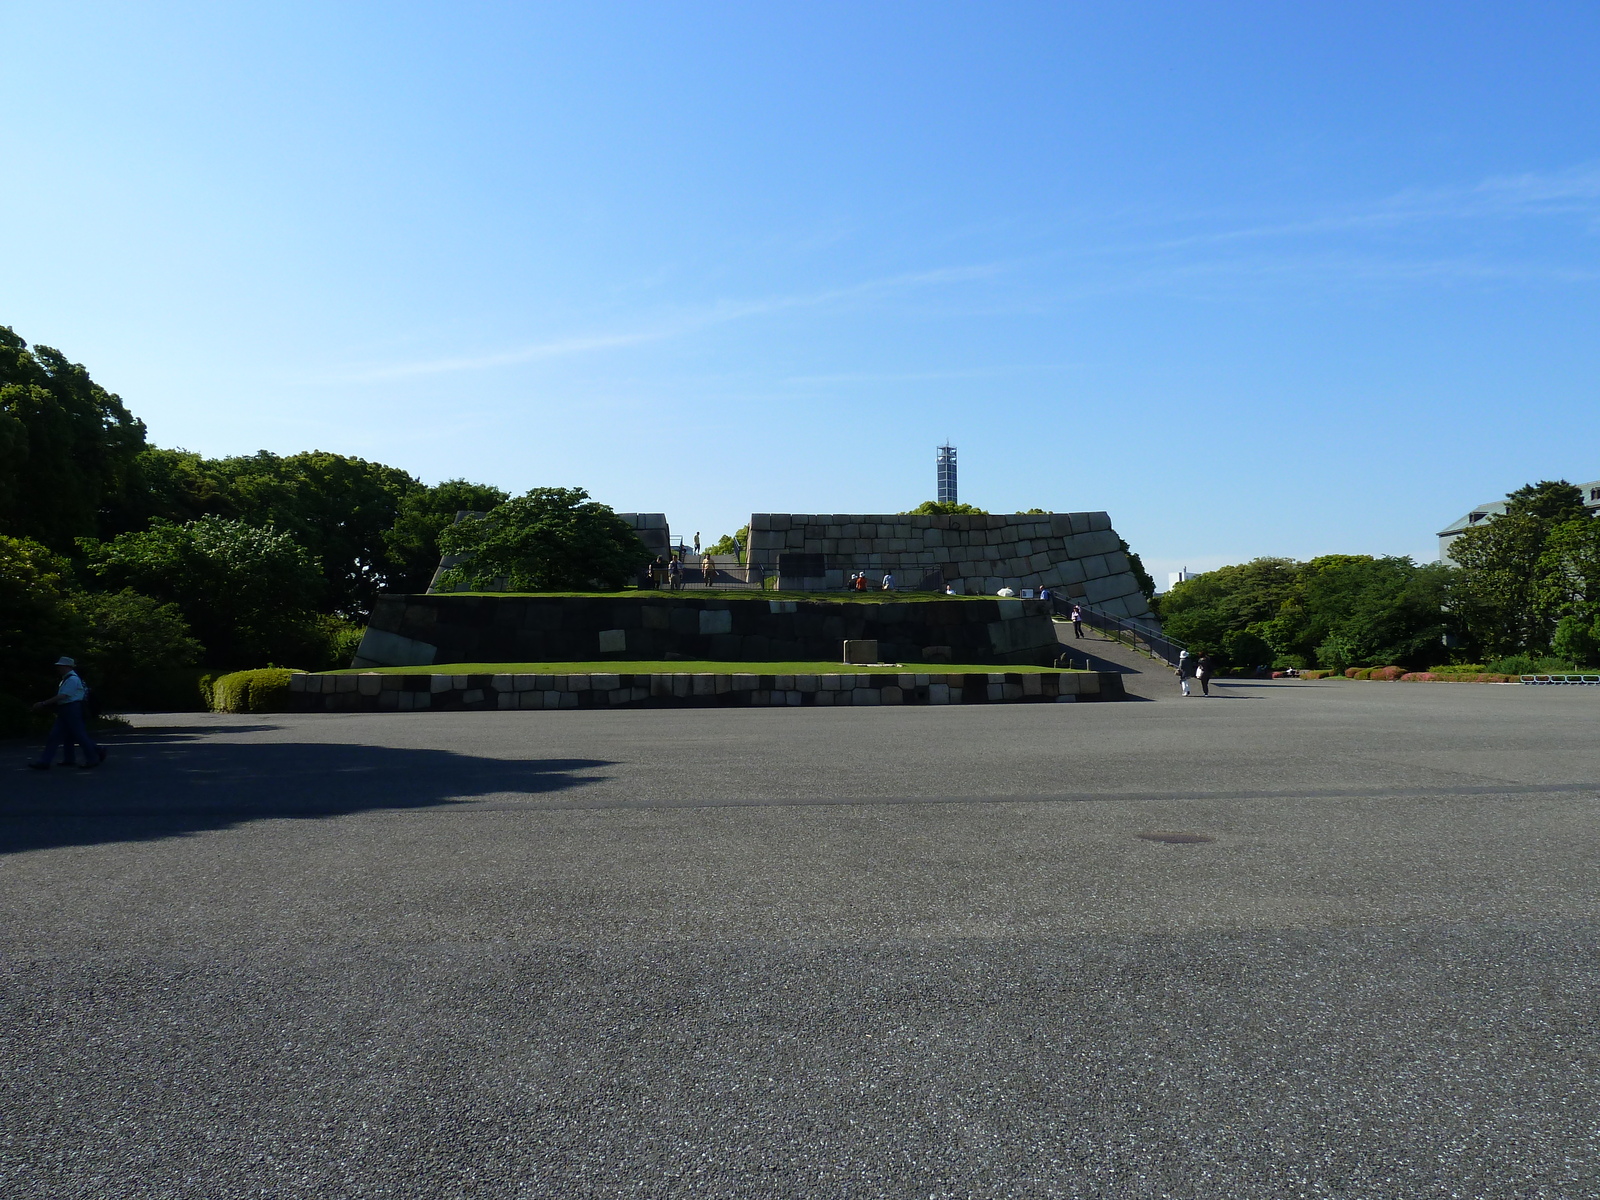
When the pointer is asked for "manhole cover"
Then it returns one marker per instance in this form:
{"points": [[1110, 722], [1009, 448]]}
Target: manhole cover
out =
{"points": [[1177, 839]]}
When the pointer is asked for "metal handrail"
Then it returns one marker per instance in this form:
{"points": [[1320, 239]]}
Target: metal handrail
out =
{"points": [[1562, 679], [1140, 634]]}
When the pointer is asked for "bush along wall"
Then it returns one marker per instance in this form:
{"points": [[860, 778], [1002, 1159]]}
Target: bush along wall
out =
{"points": [[260, 691]]}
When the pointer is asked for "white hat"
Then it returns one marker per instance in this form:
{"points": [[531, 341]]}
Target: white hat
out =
{"points": [[64, 661]]}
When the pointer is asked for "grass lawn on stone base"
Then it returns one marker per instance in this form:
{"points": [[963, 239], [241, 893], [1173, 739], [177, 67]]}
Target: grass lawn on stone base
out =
{"points": [[690, 592], [702, 668]]}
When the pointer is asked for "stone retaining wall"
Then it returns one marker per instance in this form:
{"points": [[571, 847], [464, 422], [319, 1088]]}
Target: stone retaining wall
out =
{"points": [[418, 631], [1077, 554], [405, 693]]}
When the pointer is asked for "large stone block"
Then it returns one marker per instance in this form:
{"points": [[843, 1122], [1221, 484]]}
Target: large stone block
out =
{"points": [[716, 620], [861, 650]]}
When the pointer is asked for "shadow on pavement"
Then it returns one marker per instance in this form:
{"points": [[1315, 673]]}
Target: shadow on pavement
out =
{"points": [[165, 784]]}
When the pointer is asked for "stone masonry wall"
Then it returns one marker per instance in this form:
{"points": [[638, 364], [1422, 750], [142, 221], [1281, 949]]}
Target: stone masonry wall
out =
{"points": [[1077, 554], [411, 693], [429, 629]]}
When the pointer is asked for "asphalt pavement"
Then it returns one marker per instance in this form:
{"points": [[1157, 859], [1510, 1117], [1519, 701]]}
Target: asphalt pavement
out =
{"points": [[899, 952]]}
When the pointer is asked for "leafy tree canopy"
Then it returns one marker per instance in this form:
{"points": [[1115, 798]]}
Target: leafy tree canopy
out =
{"points": [[1525, 575], [737, 542], [550, 540], [413, 542], [67, 446], [248, 592], [932, 508]]}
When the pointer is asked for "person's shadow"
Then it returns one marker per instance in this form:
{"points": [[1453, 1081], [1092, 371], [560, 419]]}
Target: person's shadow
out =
{"points": [[165, 784]]}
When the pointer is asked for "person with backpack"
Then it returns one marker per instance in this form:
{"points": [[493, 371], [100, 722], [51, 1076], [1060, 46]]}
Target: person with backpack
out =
{"points": [[69, 702]]}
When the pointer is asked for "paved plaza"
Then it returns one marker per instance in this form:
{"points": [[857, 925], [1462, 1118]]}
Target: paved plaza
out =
{"points": [[917, 952]]}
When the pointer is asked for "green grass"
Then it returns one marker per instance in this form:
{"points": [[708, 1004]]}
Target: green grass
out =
{"points": [[692, 668], [691, 593]]}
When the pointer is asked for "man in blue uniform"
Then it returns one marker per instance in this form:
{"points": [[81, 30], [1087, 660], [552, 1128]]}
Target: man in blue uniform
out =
{"points": [[69, 728]]}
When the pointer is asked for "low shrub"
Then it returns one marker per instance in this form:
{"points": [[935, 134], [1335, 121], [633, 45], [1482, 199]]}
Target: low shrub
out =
{"points": [[259, 691], [1389, 674], [1318, 674], [1419, 677]]}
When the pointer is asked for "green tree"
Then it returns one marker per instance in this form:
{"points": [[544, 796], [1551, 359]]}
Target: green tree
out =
{"points": [[1519, 575], [36, 625], [550, 540], [932, 508], [249, 593], [339, 508], [133, 649], [67, 446], [1201, 612], [1347, 610], [413, 541], [737, 542]]}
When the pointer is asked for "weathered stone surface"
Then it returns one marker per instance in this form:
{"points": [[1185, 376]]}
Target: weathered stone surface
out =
{"points": [[861, 650]]}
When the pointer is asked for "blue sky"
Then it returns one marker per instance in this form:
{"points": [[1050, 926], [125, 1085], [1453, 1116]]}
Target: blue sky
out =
{"points": [[1257, 279]]}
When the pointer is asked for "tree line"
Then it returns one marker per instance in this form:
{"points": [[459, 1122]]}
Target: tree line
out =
{"points": [[154, 562], [1523, 596]]}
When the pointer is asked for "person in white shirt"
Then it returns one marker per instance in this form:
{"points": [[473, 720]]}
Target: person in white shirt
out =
{"points": [[69, 728], [888, 582]]}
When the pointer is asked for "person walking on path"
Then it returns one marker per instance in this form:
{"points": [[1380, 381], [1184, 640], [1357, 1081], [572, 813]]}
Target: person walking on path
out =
{"points": [[675, 573], [1185, 669], [68, 728], [888, 582], [1203, 671], [1077, 621], [708, 569]]}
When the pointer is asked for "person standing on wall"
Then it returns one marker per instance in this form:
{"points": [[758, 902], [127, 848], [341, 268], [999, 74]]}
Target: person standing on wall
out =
{"points": [[68, 728], [1077, 621]]}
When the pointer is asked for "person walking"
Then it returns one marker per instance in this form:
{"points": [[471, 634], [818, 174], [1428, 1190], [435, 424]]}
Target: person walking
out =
{"points": [[888, 581], [1204, 669], [708, 569], [1077, 621], [675, 573], [68, 728], [1185, 669]]}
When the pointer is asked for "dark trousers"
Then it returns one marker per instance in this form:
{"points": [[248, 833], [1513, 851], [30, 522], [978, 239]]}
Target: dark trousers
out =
{"points": [[1205, 684], [1077, 629], [67, 731]]}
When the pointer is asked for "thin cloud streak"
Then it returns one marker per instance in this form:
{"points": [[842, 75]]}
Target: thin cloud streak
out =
{"points": [[718, 314], [1528, 195]]}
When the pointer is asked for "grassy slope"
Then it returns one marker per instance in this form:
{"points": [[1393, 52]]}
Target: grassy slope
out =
{"points": [[691, 668]]}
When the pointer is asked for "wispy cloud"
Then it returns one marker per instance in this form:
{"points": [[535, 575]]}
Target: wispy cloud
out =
{"points": [[1104, 266], [689, 321]]}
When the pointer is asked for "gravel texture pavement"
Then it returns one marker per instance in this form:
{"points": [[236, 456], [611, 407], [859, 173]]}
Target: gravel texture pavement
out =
{"points": [[835, 953]]}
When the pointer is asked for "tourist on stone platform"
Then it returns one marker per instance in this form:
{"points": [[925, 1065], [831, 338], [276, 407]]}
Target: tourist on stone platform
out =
{"points": [[888, 581], [675, 573], [68, 729], [707, 567], [1077, 621], [861, 582]]}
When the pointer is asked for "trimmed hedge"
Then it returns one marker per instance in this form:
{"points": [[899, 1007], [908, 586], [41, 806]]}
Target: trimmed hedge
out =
{"points": [[259, 691], [1454, 677]]}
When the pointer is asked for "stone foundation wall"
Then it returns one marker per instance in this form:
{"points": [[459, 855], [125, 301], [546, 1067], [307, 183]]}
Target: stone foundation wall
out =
{"points": [[410, 693], [414, 631], [1077, 554]]}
